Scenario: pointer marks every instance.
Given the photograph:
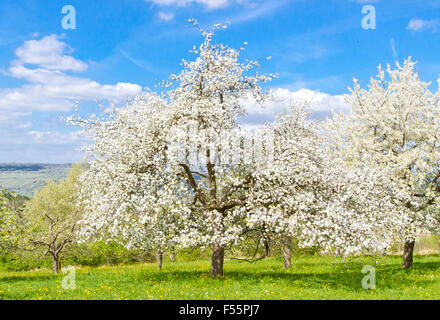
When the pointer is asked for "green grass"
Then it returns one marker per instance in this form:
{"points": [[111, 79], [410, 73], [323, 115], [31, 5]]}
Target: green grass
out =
{"points": [[311, 277]]}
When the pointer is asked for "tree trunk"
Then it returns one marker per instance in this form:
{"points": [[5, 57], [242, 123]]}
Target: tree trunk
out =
{"points": [[173, 255], [56, 263], [287, 250], [217, 258], [408, 251], [159, 260]]}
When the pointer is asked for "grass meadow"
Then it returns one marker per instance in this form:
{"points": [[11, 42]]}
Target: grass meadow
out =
{"points": [[310, 277]]}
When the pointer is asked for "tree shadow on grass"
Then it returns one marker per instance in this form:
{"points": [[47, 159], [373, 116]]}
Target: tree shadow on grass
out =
{"points": [[347, 280], [13, 278], [340, 276]]}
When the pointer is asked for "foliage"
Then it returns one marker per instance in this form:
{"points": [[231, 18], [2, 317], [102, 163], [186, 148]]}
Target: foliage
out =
{"points": [[22, 260], [9, 214], [78, 254], [51, 216]]}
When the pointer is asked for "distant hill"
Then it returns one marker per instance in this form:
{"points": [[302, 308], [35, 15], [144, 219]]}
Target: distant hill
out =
{"points": [[26, 178]]}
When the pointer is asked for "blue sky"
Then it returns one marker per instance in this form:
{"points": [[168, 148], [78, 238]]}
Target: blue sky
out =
{"points": [[120, 47]]}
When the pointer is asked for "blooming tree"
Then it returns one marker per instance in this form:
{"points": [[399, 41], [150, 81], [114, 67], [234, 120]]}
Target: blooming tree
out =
{"points": [[178, 169], [309, 194], [395, 127], [147, 155], [130, 192]]}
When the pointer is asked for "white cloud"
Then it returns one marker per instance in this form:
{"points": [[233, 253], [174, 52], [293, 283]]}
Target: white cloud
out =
{"points": [[320, 104], [48, 87], [315, 51], [254, 11], [140, 63], [166, 16], [393, 48], [421, 25], [56, 137], [43, 64], [48, 53], [9, 121]]}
